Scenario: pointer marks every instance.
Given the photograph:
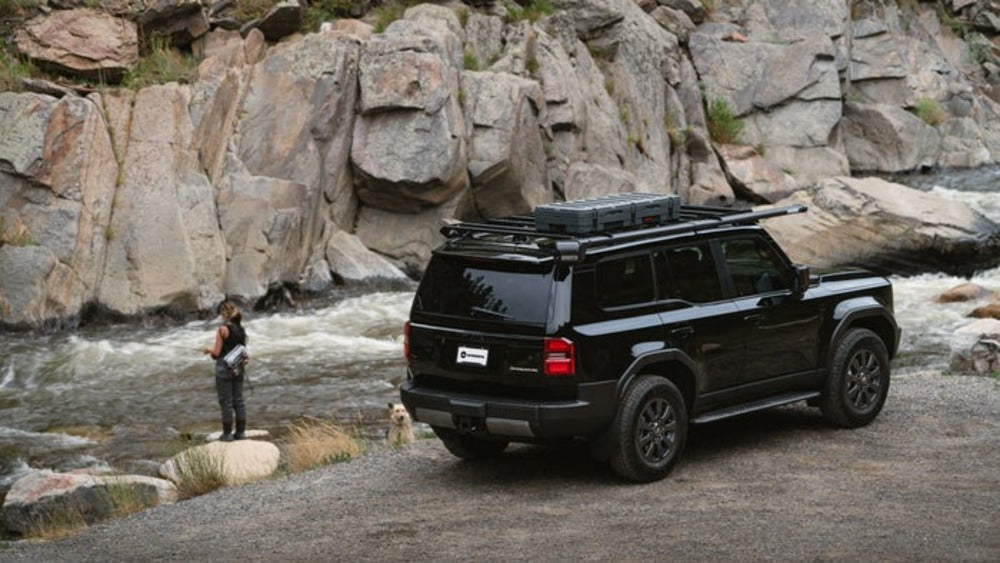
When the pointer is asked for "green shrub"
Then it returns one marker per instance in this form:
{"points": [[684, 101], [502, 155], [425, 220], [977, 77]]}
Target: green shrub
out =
{"points": [[390, 12], [17, 8], [532, 12], [723, 126], [248, 10], [929, 111], [470, 61], [163, 64], [12, 70], [319, 11]]}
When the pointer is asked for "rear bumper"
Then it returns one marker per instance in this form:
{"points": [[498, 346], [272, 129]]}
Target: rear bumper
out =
{"points": [[589, 414]]}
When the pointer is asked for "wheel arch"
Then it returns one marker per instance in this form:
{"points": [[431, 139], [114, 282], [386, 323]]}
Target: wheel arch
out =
{"points": [[671, 364], [864, 312]]}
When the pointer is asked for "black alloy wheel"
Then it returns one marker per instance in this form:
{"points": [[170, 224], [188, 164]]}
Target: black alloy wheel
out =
{"points": [[858, 382], [651, 430]]}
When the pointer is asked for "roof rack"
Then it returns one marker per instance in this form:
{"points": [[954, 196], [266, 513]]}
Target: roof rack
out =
{"points": [[571, 247]]}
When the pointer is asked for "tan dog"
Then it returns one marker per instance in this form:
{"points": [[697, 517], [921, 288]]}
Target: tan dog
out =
{"points": [[400, 426]]}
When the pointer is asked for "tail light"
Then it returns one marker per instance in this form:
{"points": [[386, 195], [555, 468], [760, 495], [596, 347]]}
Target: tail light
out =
{"points": [[406, 340], [558, 358]]}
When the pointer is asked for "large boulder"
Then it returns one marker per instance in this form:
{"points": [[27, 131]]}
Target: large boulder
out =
{"points": [[875, 223], [288, 173], [182, 21], [165, 249], [81, 42], [787, 95], [351, 261], [409, 148], [407, 238], [234, 463], [283, 19], [45, 498], [754, 177], [57, 181], [888, 138], [507, 160]]}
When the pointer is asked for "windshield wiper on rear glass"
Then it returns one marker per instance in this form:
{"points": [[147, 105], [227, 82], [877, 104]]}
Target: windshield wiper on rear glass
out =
{"points": [[490, 312]]}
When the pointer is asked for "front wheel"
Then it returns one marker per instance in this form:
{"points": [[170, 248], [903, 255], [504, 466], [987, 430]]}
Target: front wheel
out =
{"points": [[858, 382], [651, 430], [469, 447]]}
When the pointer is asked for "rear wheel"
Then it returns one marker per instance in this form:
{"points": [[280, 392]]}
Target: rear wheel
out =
{"points": [[469, 447], [651, 430], [859, 380]]}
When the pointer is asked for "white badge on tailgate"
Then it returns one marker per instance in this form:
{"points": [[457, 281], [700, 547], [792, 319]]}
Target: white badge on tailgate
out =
{"points": [[476, 356]]}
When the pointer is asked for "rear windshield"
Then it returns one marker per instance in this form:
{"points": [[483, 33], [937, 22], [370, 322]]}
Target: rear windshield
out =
{"points": [[507, 291]]}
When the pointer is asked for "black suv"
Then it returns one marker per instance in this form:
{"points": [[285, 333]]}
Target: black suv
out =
{"points": [[622, 333]]}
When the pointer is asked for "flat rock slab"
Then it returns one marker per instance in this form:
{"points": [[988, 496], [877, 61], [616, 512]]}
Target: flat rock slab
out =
{"points": [[81, 42]]}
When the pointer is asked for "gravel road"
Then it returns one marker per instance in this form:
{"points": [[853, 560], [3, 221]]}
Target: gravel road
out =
{"points": [[920, 483]]}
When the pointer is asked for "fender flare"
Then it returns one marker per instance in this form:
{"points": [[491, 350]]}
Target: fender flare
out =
{"points": [[654, 357], [849, 311]]}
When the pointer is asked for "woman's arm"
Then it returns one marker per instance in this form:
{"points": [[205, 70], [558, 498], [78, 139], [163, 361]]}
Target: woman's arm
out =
{"points": [[220, 335]]}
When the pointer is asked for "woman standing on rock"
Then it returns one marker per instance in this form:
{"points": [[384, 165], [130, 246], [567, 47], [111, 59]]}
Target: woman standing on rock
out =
{"points": [[229, 382]]}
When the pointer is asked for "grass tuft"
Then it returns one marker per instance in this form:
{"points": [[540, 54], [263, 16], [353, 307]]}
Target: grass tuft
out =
{"points": [[58, 521], [199, 471], [723, 126], [390, 12], [470, 61], [15, 235], [930, 111], [532, 12], [313, 443], [12, 70], [163, 64]]}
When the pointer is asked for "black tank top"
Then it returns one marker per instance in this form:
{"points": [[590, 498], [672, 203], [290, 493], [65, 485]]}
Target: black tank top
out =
{"points": [[236, 336]]}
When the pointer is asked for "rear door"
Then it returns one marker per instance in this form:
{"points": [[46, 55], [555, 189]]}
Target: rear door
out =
{"points": [[477, 325], [702, 322]]}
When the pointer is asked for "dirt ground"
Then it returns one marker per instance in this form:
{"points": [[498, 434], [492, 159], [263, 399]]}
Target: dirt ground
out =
{"points": [[920, 483]]}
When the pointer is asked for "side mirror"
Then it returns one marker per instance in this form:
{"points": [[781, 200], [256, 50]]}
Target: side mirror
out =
{"points": [[801, 282]]}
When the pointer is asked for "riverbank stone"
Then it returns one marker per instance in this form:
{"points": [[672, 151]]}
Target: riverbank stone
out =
{"points": [[237, 462], [43, 499], [975, 347]]}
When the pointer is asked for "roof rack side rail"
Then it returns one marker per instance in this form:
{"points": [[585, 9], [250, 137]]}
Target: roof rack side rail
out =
{"points": [[713, 217]]}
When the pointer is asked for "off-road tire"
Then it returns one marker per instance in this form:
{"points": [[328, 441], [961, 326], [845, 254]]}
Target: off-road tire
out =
{"points": [[469, 447], [650, 430], [858, 382]]}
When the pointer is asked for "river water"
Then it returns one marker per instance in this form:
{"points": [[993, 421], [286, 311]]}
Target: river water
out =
{"points": [[118, 397]]}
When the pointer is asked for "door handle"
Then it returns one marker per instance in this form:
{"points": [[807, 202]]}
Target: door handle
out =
{"points": [[754, 318], [682, 332]]}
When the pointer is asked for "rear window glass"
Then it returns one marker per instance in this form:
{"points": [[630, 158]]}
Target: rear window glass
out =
{"points": [[493, 290]]}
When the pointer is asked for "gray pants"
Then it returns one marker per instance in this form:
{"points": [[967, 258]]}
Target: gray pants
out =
{"points": [[230, 392]]}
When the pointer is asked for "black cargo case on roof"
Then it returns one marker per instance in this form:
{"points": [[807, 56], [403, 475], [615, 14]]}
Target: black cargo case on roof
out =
{"points": [[607, 213]]}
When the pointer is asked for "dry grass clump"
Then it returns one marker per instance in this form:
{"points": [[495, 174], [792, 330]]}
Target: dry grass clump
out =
{"points": [[313, 443], [199, 471]]}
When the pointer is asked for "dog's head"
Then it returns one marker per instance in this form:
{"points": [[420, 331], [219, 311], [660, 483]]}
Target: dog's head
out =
{"points": [[398, 415]]}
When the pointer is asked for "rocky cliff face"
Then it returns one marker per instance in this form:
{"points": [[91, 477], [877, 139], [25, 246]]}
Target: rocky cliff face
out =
{"points": [[334, 156]]}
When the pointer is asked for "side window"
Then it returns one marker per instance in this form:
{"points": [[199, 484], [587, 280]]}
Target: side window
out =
{"points": [[690, 274], [754, 266], [625, 281]]}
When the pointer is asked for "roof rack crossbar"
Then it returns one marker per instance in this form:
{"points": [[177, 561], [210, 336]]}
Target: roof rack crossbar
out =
{"points": [[712, 217]]}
